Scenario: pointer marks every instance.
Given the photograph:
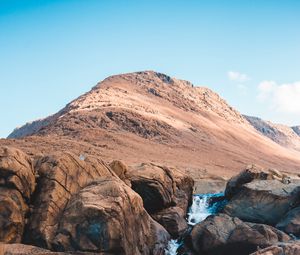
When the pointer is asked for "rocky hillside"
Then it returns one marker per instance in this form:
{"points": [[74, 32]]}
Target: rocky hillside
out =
{"points": [[284, 135], [151, 117], [296, 130]]}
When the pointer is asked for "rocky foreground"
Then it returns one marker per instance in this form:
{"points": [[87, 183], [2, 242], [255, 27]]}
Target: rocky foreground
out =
{"points": [[63, 202], [68, 204]]}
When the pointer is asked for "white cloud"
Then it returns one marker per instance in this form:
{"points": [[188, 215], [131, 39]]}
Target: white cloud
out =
{"points": [[236, 76], [283, 98]]}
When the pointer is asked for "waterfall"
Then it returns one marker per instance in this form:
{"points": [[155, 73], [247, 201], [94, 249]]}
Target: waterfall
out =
{"points": [[203, 205], [199, 210]]}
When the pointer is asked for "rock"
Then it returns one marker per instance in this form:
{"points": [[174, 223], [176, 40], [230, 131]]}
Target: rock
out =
{"points": [[222, 235], [12, 215], [159, 239], [16, 171], [107, 216], [17, 182], [290, 223], [264, 201], [22, 249], [173, 220], [61, 176], [251, 173], [289, 248], [120, 169], [161, 187]]}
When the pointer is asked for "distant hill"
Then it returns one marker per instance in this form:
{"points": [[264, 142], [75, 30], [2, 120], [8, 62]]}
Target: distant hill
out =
{"points": [[284, 135]]}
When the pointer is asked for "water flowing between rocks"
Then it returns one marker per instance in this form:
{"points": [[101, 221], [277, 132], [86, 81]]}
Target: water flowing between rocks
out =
{"points": [[203, 205]]}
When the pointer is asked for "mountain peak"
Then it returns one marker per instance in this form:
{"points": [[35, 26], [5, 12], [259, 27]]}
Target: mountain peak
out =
{"points": [[148, 115]]}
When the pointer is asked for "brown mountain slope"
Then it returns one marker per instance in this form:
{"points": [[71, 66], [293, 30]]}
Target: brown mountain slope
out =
{"points": [[151, 117]]}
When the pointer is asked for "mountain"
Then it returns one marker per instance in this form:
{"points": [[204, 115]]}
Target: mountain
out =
{"points": [[152, 117], [296, 130], [284, 135]]}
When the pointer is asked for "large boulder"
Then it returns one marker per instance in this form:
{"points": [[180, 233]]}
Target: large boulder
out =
{"points": [[17, 183], [60, 176], [161, 187], [173, 220], [107, 216], [290, 223], [166, 193], [23, 249], [289, 248], [222, 235], [251, 173], [264, 201]]}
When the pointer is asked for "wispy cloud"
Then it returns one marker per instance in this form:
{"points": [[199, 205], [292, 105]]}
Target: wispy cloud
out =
{"points": [[283, 98], [237, 76]]}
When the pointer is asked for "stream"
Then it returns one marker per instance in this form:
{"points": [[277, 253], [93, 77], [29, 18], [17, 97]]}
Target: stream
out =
{"points": [[203, 205]]}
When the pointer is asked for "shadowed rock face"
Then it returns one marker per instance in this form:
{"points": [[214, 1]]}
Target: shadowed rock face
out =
{"points": [[166, 193], [60, 176], [173, 219], [107, 216], [161, 187], [17, 182], [290, 223]]}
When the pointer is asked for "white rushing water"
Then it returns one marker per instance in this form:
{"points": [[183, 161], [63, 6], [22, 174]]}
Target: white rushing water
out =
{"points": [[172, 248], [199, 211]]}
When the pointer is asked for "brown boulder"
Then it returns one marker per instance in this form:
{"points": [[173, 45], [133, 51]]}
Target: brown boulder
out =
{"points": [[17, 182], [290, 223], [289, 248], [222, 235], [60, 176], [16, 171], [173, 220], [252, 172], [161, 187], [107, 216], [264, 201]]}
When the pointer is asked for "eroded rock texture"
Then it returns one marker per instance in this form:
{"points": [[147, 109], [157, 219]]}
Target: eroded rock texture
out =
{"points": [[264, 201], [222, 235], [60, 176], [17, 182], [107, 216]]}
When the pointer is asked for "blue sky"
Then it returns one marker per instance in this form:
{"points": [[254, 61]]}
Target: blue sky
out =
{"points": [[53, 51]]}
